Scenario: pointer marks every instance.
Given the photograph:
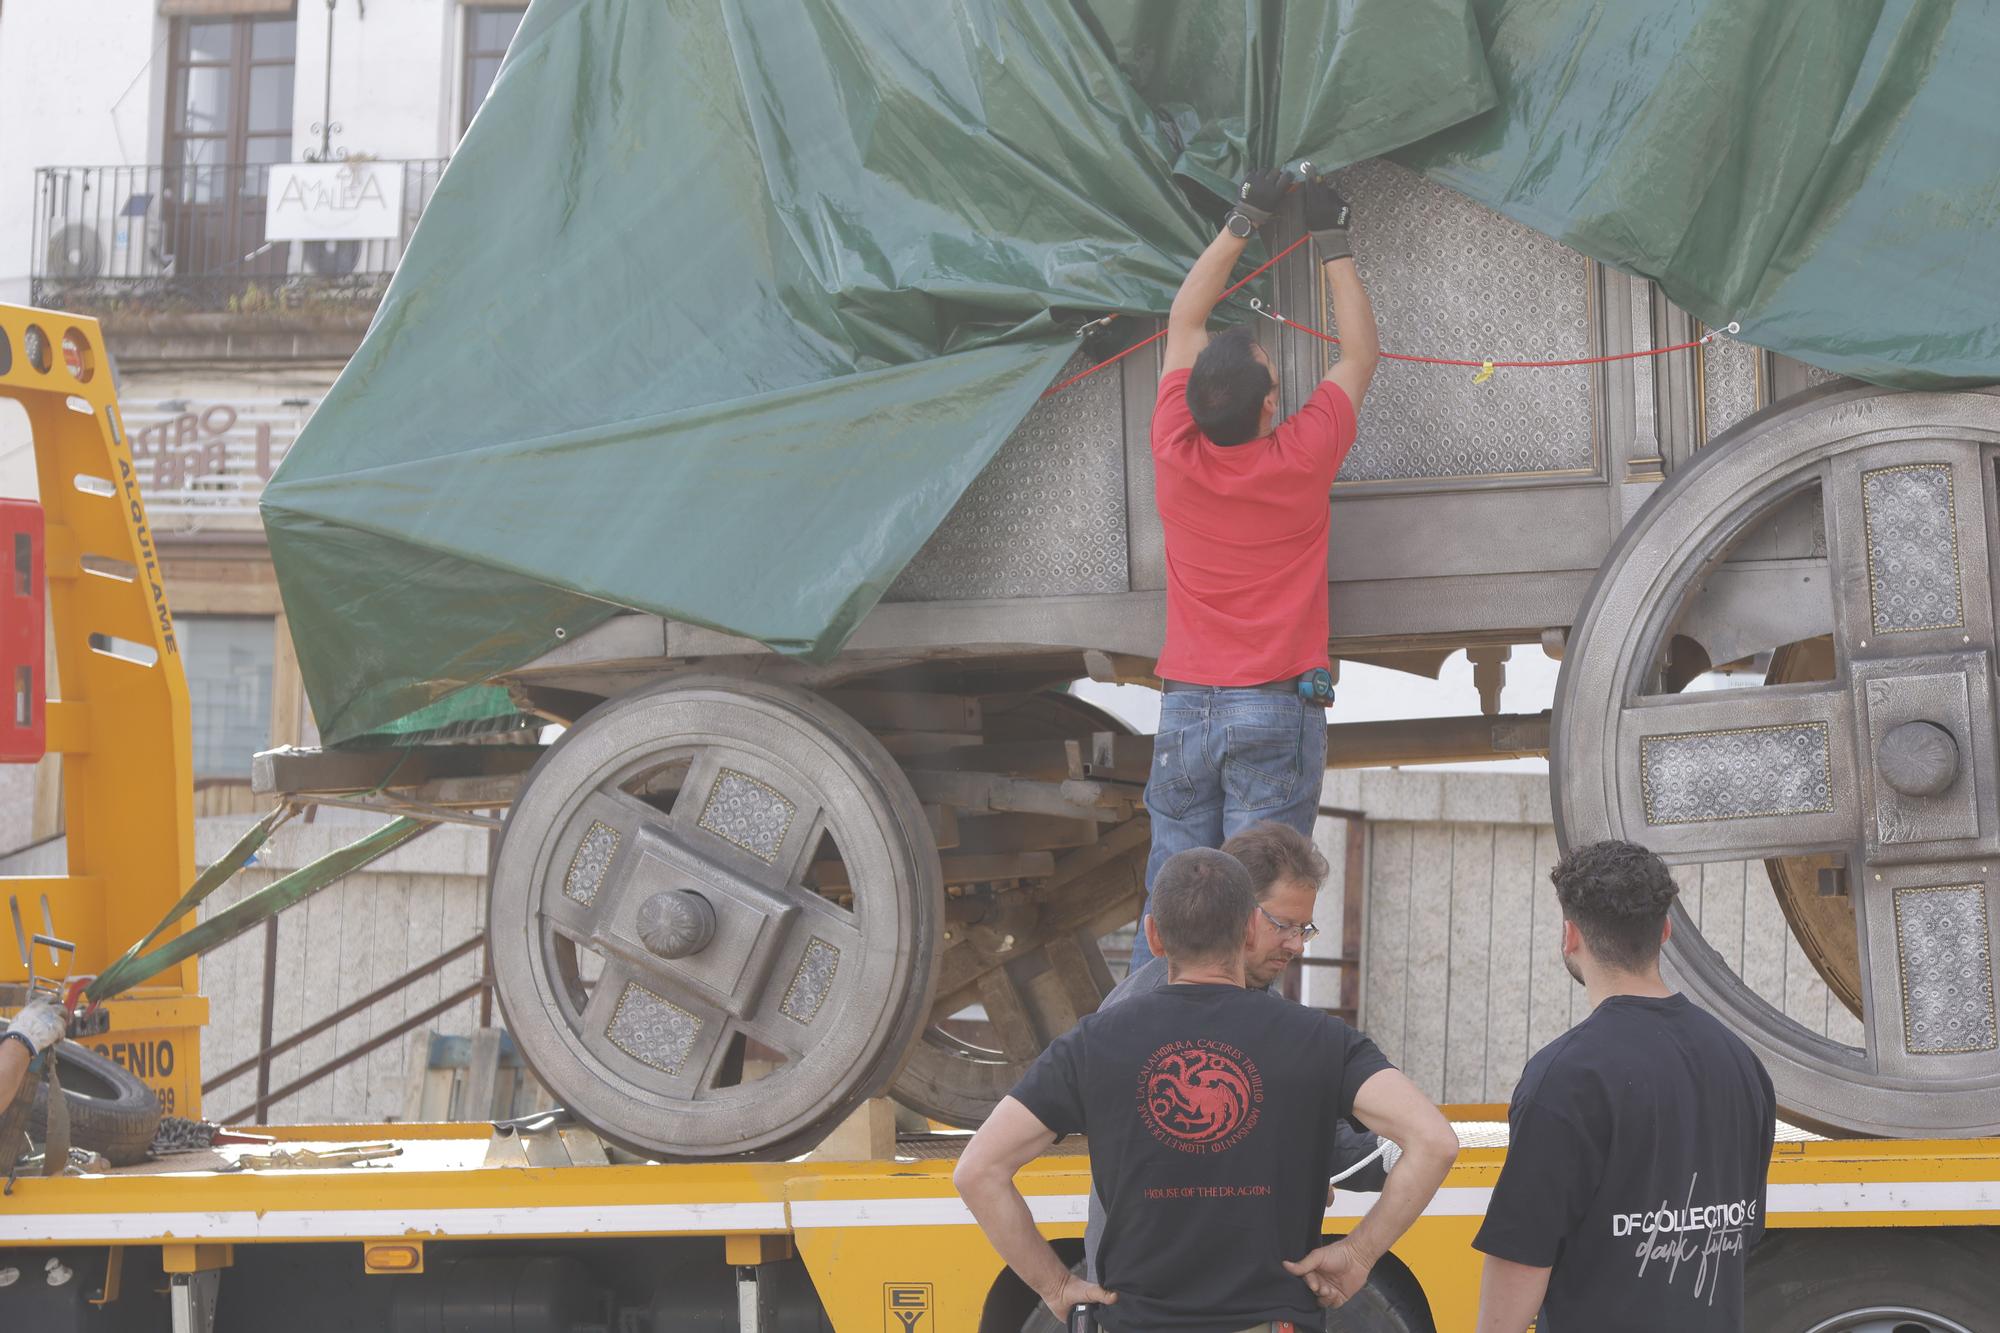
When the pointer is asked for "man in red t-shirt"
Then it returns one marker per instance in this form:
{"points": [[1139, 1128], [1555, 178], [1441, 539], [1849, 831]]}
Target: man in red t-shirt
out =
{"points": [[1243, 499]]}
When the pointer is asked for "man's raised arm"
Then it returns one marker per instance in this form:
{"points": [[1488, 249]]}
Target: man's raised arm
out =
{"points": [[1326, 215], [1187, 320], [1391, 1105]]}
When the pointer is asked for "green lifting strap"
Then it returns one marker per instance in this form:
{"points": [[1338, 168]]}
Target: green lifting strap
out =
{"points": [[138, 966]]}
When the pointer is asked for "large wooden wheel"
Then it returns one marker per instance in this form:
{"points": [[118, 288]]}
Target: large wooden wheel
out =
{"points": [[665, 952], [1875, 772]]}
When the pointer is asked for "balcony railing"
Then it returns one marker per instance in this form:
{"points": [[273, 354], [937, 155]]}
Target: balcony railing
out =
{"points": [[192, 239]]}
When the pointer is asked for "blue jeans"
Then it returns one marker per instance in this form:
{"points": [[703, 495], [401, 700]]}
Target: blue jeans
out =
{"points": [[1226, 759]]}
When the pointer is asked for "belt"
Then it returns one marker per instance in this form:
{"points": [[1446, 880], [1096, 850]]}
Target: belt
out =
{"points": [[1289, 685]]}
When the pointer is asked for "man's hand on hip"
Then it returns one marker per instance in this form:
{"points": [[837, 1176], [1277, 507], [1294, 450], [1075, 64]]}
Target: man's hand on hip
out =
{"points": [[1326, 217], [1335, 1273], [1075, 1291]]}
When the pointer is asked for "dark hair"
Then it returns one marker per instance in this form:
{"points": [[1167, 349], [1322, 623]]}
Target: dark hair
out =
{"points": [[1227, 387], [1618, 894], [1271, 852], [1201, 902]]}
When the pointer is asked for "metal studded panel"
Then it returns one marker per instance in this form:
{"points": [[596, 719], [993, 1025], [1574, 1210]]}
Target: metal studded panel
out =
{"points": [[592, 859], [1912, 548], [1728, 385], [1739, 774], [1947, 965], [752, 814], [812, 982], [652, 1030], [1047, 516], [1441, 271]]}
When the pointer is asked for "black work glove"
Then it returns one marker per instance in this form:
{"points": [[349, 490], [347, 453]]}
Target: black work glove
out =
{"points": [[1260, 195], [1326, 218]]}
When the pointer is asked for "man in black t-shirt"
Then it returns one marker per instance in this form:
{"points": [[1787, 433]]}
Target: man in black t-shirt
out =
{"points": [[1210, 1111], [1640, 1139]]}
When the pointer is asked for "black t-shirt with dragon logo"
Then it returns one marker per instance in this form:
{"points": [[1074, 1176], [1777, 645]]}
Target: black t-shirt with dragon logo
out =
{"points": [[1211, 1113]]}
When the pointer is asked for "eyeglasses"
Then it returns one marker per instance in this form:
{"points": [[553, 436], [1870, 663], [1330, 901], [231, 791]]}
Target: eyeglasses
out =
{"points": [[1287, 931]]}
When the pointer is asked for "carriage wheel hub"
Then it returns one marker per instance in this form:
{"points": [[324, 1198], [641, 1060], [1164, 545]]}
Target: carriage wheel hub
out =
{"points": [[1918, 758], [676, 924]]}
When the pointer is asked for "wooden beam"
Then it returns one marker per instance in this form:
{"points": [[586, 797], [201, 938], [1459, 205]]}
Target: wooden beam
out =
{"points": [[1108, 757], [287, 687], [1023, 833], [985, 791], [957, 869], [1437, 740], [304, 772], [1047, 761], [909, 710]]}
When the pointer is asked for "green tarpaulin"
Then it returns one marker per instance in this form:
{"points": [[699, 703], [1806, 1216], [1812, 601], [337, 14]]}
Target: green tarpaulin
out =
{"points": [[1826, 174], [722, 304]]}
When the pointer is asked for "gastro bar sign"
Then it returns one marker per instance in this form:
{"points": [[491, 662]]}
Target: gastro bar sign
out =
{"points": [[209, 458], [334, 201]]}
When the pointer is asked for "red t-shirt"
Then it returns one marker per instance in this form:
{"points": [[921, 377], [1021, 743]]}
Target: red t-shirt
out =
{"points": [[1246, 539]]}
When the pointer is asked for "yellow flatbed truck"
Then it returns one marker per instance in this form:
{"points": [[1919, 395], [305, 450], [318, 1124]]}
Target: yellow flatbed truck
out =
{"points": [[459, 1227], [443, 1236]]}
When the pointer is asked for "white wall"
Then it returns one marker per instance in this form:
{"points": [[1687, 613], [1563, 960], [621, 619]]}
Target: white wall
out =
{"points": [[1462, 979], [395, 77], [85, 84]]}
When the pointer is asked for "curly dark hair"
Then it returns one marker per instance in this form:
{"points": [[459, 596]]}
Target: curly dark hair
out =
{"points": [[1618, 894]]}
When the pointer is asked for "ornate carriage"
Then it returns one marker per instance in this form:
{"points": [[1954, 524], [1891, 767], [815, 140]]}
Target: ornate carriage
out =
{"points": [[745, 891]]}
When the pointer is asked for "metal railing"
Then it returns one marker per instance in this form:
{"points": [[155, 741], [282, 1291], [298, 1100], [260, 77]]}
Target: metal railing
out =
{"points": [[191, 238], [268, 1049]]}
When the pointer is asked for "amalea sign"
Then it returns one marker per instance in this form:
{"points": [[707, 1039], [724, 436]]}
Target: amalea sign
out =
{"points": [[334, 201]]}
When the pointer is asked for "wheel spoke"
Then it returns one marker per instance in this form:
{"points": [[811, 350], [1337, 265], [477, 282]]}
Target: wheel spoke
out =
{"points": [[660, 1035], [1008, 1013], [806, 980], [1927, 966], [1906, 531], [599, 857], [758, 816], [1734, 774]]}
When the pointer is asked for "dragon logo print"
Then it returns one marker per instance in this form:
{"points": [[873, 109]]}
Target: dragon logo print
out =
{"points": [[1200, 1096]]}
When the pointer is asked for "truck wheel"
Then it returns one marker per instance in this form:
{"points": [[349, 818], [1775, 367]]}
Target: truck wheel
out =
{"points": [[110, 1110], [1873, 1282], [666, 956], [1861, 516]]}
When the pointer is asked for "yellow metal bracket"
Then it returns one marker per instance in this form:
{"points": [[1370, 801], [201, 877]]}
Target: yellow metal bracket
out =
{"points": [[118, 709], [179, 1257]]}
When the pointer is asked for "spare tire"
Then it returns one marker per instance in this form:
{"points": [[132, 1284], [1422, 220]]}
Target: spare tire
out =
{"points": [[110, 1110]]}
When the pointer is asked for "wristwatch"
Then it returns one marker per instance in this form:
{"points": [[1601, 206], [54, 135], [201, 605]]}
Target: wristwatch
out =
{"points": [[21, 1037], [1239, 225]]}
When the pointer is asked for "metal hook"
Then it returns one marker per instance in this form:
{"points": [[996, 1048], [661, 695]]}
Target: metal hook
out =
{"points": [[1257, 304]]}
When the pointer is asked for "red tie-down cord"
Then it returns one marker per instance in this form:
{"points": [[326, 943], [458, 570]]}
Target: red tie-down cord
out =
{"points": [[1484, 367]]}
